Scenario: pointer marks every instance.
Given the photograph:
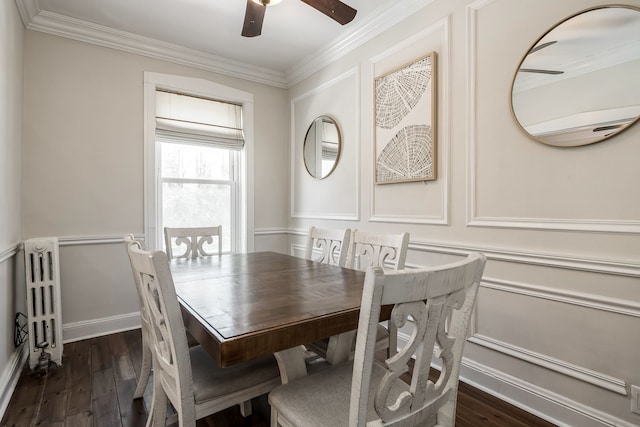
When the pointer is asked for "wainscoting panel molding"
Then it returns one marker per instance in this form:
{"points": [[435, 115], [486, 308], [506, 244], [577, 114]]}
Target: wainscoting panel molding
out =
{"points": [[596, 302], [593, 265], [349, 123], [598, 379], [270, 231], [442, 29], [94, 240], [477, 220], [10, 252]]}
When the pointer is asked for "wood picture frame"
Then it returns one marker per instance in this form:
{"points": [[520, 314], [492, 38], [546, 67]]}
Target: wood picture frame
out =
{"points": [[405, 122]]}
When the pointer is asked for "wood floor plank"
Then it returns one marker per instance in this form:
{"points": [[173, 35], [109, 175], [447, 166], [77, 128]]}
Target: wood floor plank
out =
{"points": [[94, 388], [118, 344], [79, 360], [106, 411], [122, 367], [58, 378], [53, 409], [100, 354], [79, 364], [82, 419], [79, 399], [25, 402], [134, 344]]}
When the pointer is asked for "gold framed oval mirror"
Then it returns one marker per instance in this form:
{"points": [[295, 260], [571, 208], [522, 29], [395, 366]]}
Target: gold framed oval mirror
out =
{"points": [[577, 84], [322, 145]]}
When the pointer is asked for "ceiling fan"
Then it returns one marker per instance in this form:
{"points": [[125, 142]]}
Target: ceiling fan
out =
{"points": [[254, 15], [536, 70]]}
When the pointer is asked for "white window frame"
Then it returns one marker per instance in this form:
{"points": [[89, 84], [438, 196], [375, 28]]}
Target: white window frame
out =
{"points": [[152, 184]]}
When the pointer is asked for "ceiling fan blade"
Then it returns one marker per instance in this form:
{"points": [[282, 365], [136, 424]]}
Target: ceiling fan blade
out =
{"points": [[542, 46], [253, 18], [334, 9], [533, 70]]}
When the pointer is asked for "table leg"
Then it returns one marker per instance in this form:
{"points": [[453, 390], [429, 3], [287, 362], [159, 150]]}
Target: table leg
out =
{"points": [[339, 347], [291, 363]]}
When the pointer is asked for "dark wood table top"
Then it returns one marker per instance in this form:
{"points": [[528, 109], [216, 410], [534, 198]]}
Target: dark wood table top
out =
{"points": [[244, 306]]}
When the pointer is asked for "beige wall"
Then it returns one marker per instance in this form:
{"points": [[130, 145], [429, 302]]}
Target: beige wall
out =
{"points": [[558, 314], [558, 318], [82, 168], [11, 49]]}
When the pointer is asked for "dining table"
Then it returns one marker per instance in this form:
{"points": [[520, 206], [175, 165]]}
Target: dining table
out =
{"points": [[247, 305]]}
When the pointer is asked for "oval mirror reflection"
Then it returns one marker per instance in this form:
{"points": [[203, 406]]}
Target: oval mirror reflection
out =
{"points": [[578, 83], [322, 145]]}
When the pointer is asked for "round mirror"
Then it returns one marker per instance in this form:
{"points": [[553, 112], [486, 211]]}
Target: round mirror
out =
{"points": [[578, 83], [322, 147]]}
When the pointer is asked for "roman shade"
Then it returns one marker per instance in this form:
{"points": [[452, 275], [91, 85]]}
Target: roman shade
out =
{"points": [[186, 118]]}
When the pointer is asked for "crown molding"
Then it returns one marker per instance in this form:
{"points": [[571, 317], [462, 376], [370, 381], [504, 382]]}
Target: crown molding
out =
{"points": [[36, 19], [80, 30], [28, 9], [371, 26]]}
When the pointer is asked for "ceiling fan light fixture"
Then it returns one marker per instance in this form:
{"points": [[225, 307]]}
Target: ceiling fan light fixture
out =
{"points": [[266, 2]]}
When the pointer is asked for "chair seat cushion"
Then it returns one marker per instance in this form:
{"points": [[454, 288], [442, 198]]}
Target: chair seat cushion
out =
{"points": [[210, 380], [323, 399]]}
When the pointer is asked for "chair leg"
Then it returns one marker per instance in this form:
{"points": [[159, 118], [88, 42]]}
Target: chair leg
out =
{"points": [[245, 408], [145, 371], [158, 406], [339, 347], [274, 417], [151, 410]]}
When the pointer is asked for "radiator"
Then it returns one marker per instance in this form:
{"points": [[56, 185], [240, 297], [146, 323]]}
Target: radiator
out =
{"points": [[44, 314]]}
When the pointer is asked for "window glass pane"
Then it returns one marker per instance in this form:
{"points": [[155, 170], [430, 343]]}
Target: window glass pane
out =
{"points": [[194, 161], [197, 205]]}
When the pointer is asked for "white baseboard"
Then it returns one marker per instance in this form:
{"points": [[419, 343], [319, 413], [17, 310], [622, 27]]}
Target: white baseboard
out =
{"points": [[10, 377], [541, 402], [538, 401], [97, 327]]}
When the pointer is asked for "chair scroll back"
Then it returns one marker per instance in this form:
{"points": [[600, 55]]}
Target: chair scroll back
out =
{"points": [[377, 250], [440, 301], [332, 245], [194, 239], [171, 361]]}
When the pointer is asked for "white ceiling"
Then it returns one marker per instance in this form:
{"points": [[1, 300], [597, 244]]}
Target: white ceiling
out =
{"points": [[207, 32]]}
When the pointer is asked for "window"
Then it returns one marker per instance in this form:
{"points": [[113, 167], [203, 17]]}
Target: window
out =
{"points": [[196, 156], [198, 188], [198, 139]]}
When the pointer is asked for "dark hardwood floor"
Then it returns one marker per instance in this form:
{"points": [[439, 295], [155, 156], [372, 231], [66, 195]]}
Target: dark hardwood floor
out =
{"points": [[95, 385]]}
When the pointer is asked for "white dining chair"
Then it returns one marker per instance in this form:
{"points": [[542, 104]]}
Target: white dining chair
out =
{"points": [[328, 246], [370, 249], [146, 365], [194, 240], [367, 249], [439, 302], [186, 377]]}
